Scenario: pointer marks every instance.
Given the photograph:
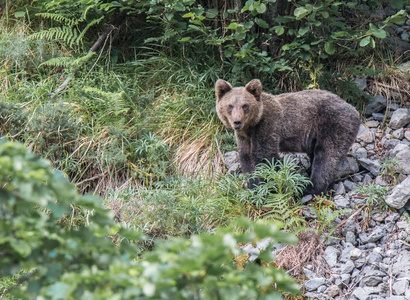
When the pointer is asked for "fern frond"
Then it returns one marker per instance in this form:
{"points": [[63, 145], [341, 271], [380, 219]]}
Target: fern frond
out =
{"points": [[62, 19], [64, 33], [63, 61], [93, 22], [83, 59]]}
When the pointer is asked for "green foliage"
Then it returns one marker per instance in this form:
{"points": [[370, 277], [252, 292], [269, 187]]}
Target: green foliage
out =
{"points": [[42, 255], [389, 169], [374, 195], [281, 185]]}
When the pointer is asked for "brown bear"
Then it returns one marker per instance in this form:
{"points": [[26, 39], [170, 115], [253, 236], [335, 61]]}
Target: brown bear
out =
{"points": [[315, 122]]}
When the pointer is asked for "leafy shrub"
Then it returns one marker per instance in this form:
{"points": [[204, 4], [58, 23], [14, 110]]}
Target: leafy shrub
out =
{"points": [[280, 186], [41, 254], [374, 195]]}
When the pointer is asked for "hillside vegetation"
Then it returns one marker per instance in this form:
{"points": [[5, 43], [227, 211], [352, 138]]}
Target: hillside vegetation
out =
{"points": [[118, 95]]}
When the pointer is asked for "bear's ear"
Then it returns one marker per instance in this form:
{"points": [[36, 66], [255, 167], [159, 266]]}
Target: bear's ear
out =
{"points": [[255, 88], [221, 88]]}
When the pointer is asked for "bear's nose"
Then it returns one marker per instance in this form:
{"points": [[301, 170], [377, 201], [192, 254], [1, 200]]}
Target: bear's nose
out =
{"points": [[237, 123]]}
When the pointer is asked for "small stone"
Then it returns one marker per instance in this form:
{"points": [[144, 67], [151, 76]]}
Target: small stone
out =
{"points": [[372, 123], [232, 162], [349, 185], [332, 291], [361, 83], [365, 135], [330, 255], [360, 153], [400, 194], [348, 166], [392, 217], [380, 181], [341, 202], [347, 247], [355, 254], [351, 238], [402, 153], [407, 135], [399, 118], [374, 258], [379, 217], [313, 284], [363, 238], [348, 267], [398, 134], [376, 105], [360, 293], [306, 198], [309, 274], [373, 166], [372, 280], [376, 234], [339, 190], [378, 116]]}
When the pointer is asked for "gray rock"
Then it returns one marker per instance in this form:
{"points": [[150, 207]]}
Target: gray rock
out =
{"points": [[380, 181], [374, 258], [405, 36], [372, 123], [402, 153], [400, 194], [339, 189], [360, 153], [402, 263], [355, 254], [376, 105], [347, 167], [332, 291], [360, 293], [363, 238], [373, 166], [397, 298], [372, 280], [232, 162], [347, 247], [376, 234], [379, 216], [398, 133], [309, 274], [405, 66], [392, 217], [399, 118], [389, 143], [351, 238], [349, 185], [313, 284], [330, 255], [378, 116], [407, 135], [365, 135], [341, 202], [348, 267], [361, 83]]}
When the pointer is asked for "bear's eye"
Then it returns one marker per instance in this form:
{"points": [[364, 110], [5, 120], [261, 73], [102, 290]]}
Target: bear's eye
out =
{"points": [[245, 107], [230, 107]]}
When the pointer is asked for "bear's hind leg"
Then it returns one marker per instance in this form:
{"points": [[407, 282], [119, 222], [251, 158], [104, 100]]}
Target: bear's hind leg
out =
{"points": [[324, 167]]}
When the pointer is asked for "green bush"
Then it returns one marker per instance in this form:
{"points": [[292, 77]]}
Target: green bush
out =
{"points": [[42, 253]]}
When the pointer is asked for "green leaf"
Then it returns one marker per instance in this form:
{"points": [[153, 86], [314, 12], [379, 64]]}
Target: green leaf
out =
{"points": [[380, 33], [301, 12], [261, 23], [365, 41], [189, 15], [397, 4], [261, 8], [279, 30], [233, 26], [330, 48], [179, 6], [185, 39], [302, 31], [19, 14], [169, 16], [211, 13]]}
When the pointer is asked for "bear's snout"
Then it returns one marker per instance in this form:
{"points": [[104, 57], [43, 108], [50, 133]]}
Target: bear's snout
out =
{"points": [[237, 124]]}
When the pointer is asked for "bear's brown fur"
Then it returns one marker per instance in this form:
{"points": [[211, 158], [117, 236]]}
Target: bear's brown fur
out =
{"points": [[315, 122]]}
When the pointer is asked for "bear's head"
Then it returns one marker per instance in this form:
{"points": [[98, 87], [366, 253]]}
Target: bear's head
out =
{"points": [[241, 107]]}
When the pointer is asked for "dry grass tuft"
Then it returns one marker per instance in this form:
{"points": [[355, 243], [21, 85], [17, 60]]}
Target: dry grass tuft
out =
{"points": [[293, 258]]}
